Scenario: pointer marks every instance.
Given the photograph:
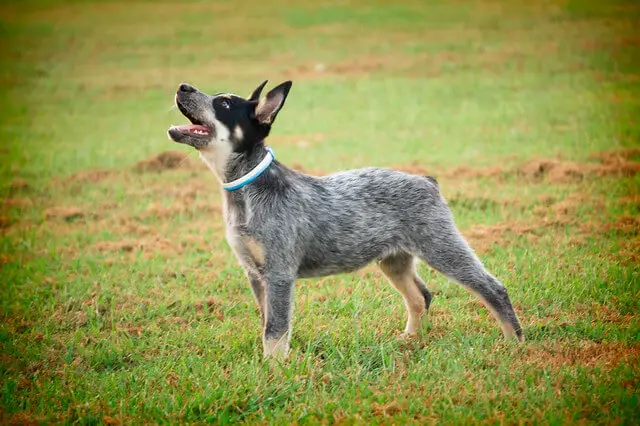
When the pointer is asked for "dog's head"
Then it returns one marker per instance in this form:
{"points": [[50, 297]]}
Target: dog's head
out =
{"points": [[227, 121]]}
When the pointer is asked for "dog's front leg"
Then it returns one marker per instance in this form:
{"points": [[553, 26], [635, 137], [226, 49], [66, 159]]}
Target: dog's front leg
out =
{"points": [[257, 285], [279, 307]]}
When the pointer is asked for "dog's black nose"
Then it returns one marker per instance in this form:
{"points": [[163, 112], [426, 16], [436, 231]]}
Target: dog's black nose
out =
{"points": [[184, 87]]}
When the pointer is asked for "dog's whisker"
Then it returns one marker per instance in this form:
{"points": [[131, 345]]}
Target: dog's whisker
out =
{"points": [[184, 160], [172, 107]]}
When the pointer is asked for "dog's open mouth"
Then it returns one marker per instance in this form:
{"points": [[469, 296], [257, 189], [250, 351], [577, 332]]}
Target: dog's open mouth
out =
{"points": [[195, 129], [192, 129]]}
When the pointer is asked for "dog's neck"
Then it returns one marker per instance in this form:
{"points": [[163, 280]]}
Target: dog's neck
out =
{"points": [[228, 165], [242, 205], [239, 164], [273, 179]]}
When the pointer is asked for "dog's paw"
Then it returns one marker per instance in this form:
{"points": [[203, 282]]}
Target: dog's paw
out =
{"points": [[407, 336], [277, 349]]}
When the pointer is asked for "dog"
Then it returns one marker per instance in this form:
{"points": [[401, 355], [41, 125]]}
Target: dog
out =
{"points": [[283, 225]]}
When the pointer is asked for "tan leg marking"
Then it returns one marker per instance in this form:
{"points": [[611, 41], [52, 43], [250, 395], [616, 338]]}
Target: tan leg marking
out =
{"points": [[404, 282], [255, 249], [276, 348]]}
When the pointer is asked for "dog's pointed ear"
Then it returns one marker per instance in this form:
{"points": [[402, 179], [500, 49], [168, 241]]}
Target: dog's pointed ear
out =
{"points": [[256, 93], [270, 105]]}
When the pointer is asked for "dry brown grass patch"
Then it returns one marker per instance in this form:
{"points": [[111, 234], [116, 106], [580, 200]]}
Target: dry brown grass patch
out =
{"points": [[21, 419], [618, 163], [605, 314], [168, 160], [18, 185], [386, 410], [149, 245], [584, 354], [197, 208], [611, 163], [464, 172], [89, 176], [422, 64], [628, 225], [551, 170], [67, 214], [484, 237], [551, 215], [211, 305]]}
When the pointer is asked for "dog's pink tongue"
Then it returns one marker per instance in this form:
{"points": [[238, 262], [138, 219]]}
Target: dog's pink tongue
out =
{"points": [[194, 128]]}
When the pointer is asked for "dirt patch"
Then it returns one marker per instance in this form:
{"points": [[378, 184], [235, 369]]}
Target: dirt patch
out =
{"points": [[469, 172], [194, 208], [386, 410], [604, 314], [586, 354], [18, 185], [211, 305], [626, 225], [18, 202], [422, 64], [617, 156], [168, 160], [149, 245], [619, 163], [126, 245], [67, 214], [22, 419], [629, 253], [612, 163], [89, 176], [484, 237], [552, 170], [593, 313], [5, 222], [549, 215], [459, 201]]}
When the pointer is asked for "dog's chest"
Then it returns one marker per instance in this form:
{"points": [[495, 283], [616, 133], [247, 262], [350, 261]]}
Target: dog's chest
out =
{"points": [[248, 249], [250, 252]]}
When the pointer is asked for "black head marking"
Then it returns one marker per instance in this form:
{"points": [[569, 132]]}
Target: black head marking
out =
{"points": [[268, 107], [256, 93], [247, 121]]}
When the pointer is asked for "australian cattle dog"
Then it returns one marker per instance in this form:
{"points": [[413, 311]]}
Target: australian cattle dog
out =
{"points": [[282, 224]]}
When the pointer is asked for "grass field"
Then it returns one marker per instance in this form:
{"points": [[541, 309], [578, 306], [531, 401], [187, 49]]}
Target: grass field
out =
{"points": [[122, 303]]}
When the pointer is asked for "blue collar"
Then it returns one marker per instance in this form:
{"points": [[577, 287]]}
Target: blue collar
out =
{"points": [[253, 174]]}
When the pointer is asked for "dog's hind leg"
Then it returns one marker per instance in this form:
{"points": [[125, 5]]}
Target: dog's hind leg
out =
{"points": [[448, 252], [401, 271]]}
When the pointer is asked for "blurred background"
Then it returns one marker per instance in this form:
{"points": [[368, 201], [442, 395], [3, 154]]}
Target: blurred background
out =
{"points": [[122, 303], [438, 82]]}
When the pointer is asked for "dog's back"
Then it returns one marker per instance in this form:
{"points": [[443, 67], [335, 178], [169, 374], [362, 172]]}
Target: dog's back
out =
{"points": [[360, 215]]}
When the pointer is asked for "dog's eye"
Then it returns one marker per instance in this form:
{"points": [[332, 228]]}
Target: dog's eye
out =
{"points": [[225, 104]]}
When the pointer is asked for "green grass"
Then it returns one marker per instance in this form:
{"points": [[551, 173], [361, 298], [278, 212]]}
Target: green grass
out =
{"points": [[122, 303]]}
